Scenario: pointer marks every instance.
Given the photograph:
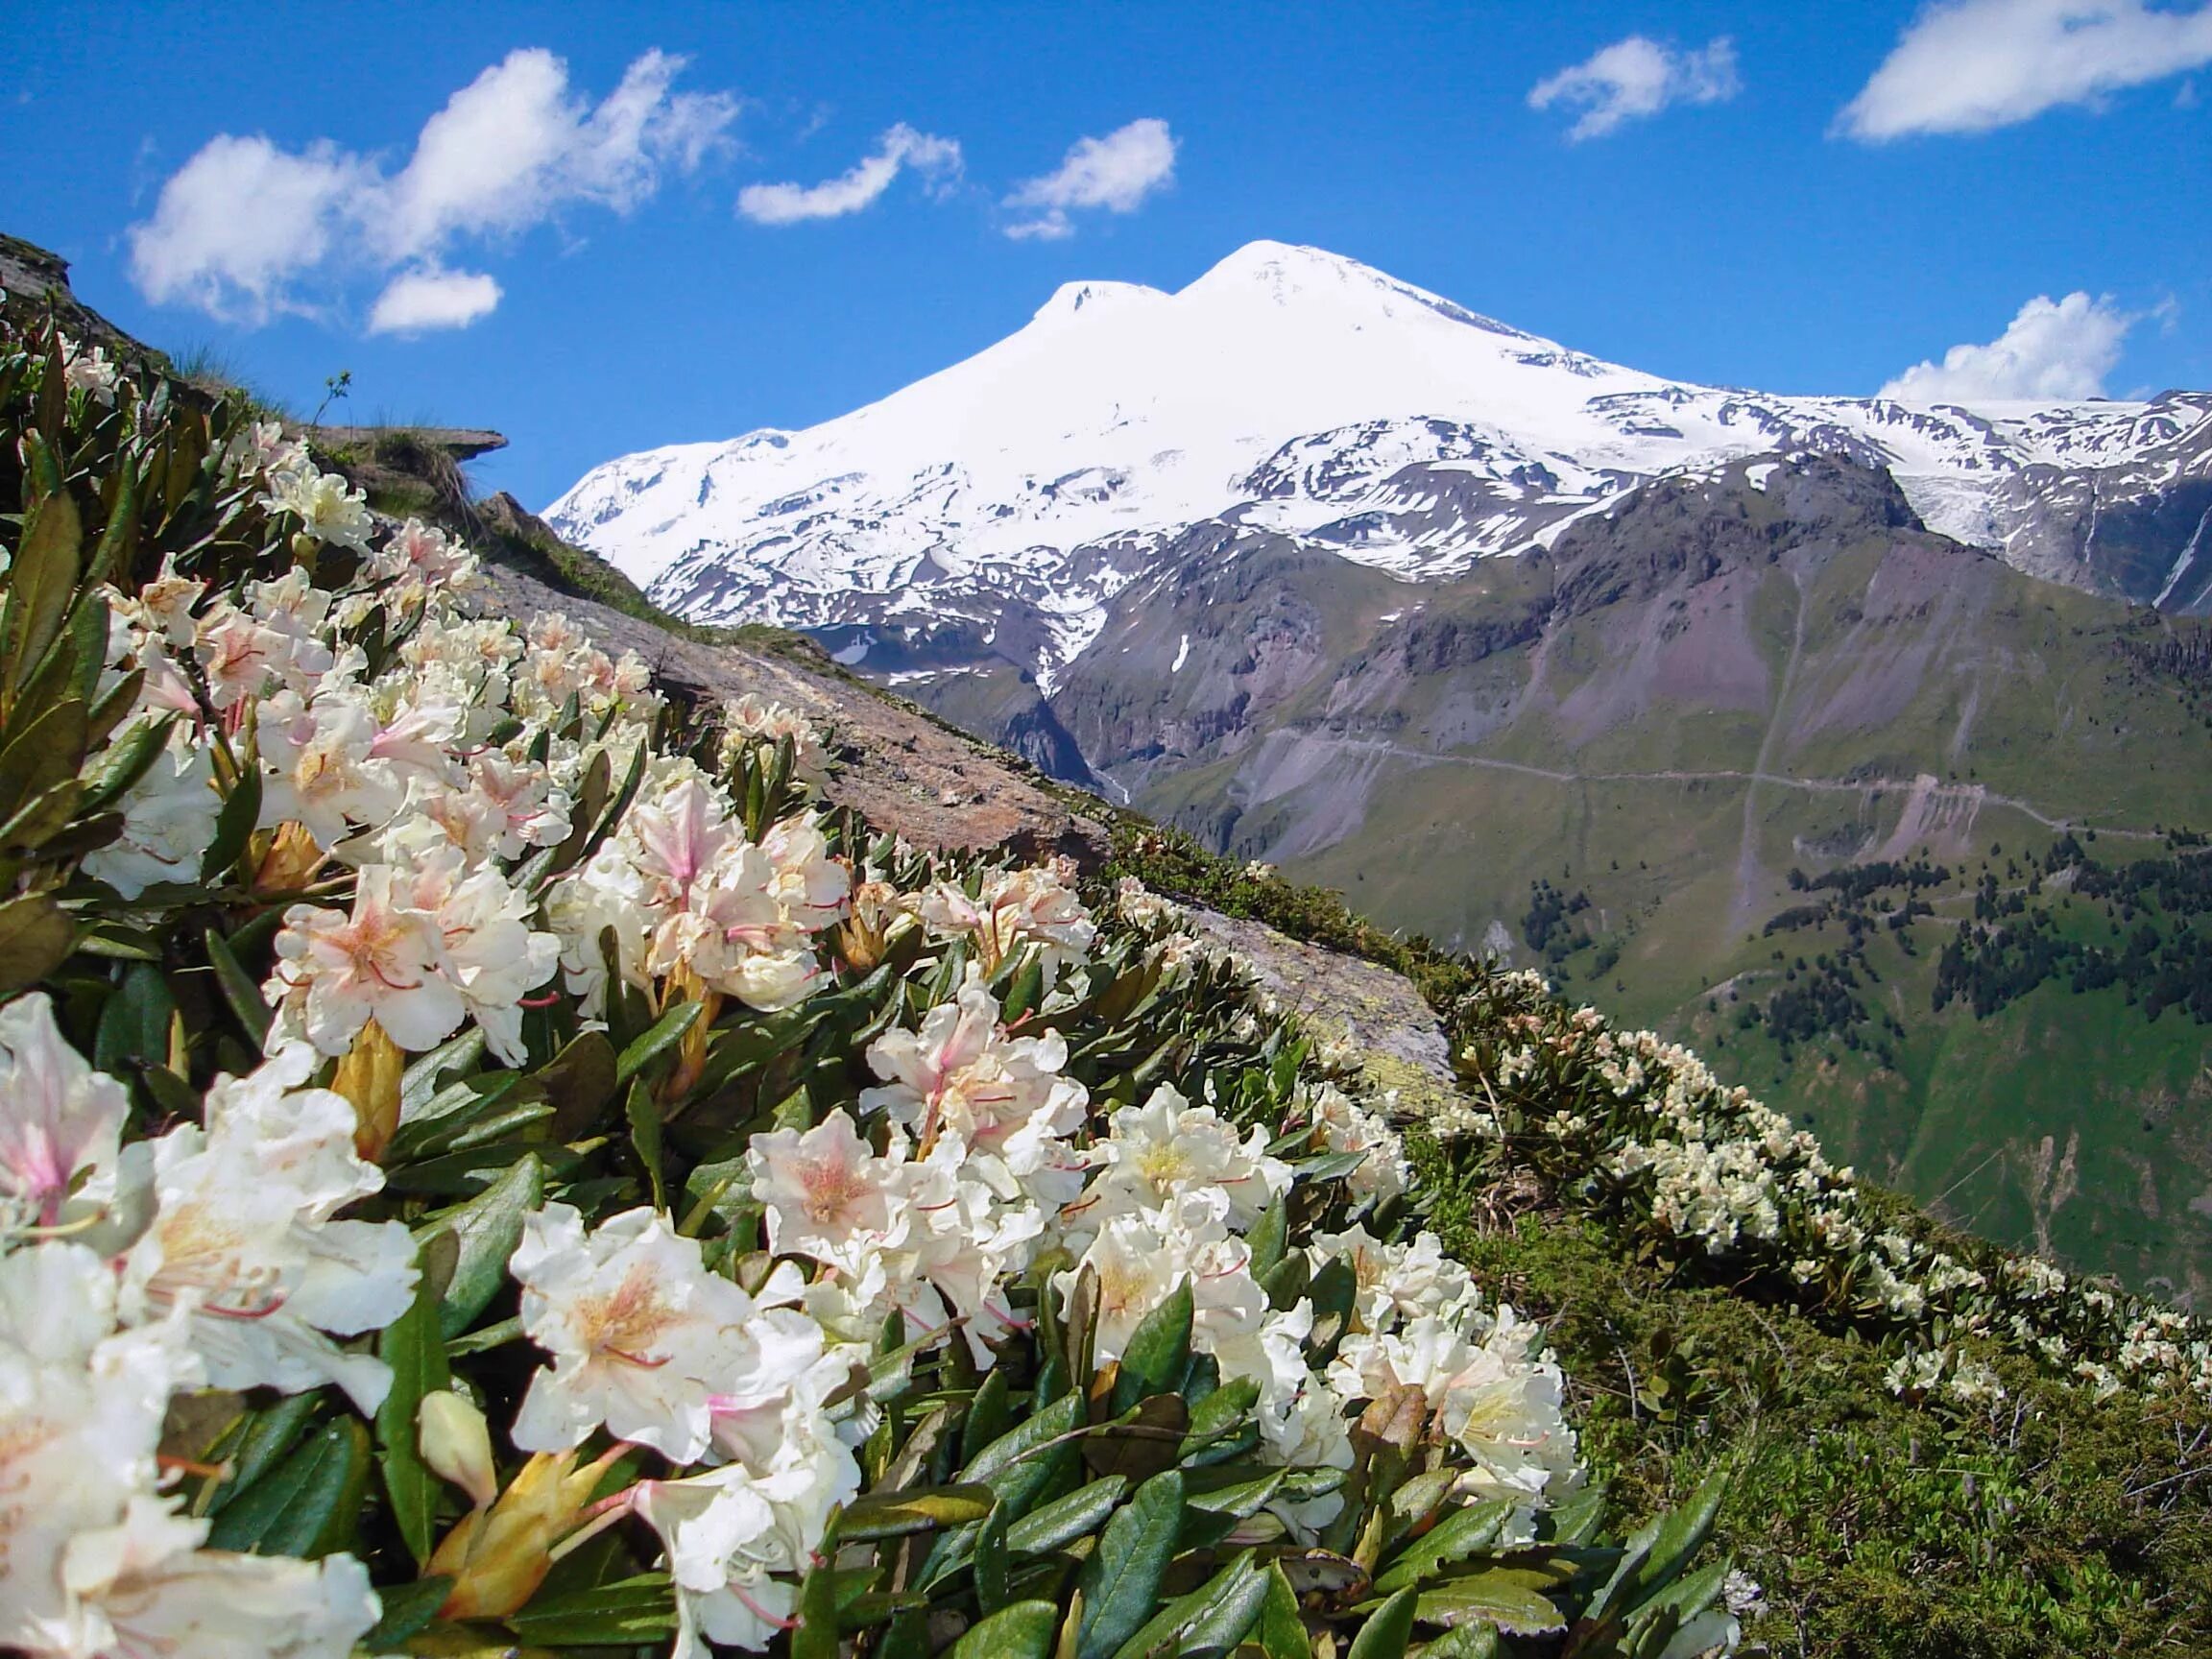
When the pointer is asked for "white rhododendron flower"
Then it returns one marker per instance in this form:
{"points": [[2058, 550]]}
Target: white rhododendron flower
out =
{"points": [[1166, 1147], [59, 1119], [828, 1195], [1502, 1408], [328, 508], [1382, 1172], [88, 369], [1017, 909], [1401, 1281], [245, 1236], [754, 721], [144, 1586], [681, 887], [738, 1537], [642, 1337], [169, 818], [337, 971], [961, 1074]]}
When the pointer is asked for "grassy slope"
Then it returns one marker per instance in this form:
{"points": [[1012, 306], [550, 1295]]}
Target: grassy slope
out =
{"points": [[2052, 711], [2051, 1528]]}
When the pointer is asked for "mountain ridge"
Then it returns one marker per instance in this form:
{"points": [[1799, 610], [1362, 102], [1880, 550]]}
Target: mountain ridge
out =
{"points": [[1297, 391]]}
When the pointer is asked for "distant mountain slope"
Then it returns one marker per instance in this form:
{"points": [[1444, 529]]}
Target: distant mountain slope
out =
{"points": [[1292, 391], [1533, 653]]}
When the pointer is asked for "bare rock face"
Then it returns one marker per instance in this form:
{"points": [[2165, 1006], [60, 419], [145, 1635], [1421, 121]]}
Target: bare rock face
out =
{"points": [[937, 786], [1401, 1044], [32, 278]]}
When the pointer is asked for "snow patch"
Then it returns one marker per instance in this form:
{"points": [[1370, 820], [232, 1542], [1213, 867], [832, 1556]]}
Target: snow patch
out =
{"points": [[1182, 656]]}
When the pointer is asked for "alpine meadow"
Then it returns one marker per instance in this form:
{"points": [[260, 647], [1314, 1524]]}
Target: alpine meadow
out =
{"points": [[1056, 833]]}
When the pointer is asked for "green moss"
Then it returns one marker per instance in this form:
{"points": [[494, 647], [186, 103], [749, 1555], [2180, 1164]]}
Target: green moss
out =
{"points": [[1877, 1527]]}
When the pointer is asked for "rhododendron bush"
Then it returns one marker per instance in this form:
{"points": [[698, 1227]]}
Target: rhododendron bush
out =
{"points": [[485, 1157], [1630, 1125]]}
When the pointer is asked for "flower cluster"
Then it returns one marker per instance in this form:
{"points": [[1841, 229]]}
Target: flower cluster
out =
{"points": [[209, 1257], [1638, 1123]]}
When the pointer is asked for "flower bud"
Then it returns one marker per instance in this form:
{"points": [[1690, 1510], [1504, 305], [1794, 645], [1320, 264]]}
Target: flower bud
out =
{"points": [[497, 1557], [457, 1444], [368, 1076]]}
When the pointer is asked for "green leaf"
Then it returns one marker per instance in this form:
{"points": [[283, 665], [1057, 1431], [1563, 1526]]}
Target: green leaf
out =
{"points": [[308, 1504], [579, 1080], [628, 1612], [127, 761], [1228, 1616], [408, 1609], [233, 826], [1454, 1538], [895, 1514], [1677, 1536], [667, 1032], [1282, 1631], [44, 750], [1467, 1641], [487, 1230], [41, 584], [41, 819], [1510, 1598], [815, 1636], [1067, 1519], [1270, 1236], [1386, 1633], [261, 1439], [1021, 1462], [1022, 1631], [991, 1561], [238, 989], [413, 1347], [643, 1114], [1157, 1353], [1216, 1422], [1143, 1441], [989, 1415], [135, 1024], [1121, 1583], [36, 936], [1165, 1633]]}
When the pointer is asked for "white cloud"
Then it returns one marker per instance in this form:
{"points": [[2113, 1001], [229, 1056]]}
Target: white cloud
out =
{"points": [[236, 223], [1117, 173], [1972, 65], [416, 302], [244, 224], [2054, 349], [1636, 78], [934, 158]]}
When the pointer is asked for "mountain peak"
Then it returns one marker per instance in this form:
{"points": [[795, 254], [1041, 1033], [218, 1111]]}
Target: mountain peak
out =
{"points": [[1286, 272], [1094, 297]]}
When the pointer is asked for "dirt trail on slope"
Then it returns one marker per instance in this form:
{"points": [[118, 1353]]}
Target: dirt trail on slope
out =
{"points": [[1732, 775]]}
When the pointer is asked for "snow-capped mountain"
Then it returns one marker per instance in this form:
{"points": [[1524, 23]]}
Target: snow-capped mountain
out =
{"points": [[1295, 392]]}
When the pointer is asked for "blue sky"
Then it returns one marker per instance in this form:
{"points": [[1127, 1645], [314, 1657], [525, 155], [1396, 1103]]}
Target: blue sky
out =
{"points": [[1746, 231]]}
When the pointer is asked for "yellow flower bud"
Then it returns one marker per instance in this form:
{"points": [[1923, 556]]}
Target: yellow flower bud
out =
{"points": [[497, 1557], [370, 1076]]}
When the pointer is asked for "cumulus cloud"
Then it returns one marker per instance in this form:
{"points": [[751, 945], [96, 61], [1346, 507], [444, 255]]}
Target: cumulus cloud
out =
{"points": [[1972, 65], [1636, 78], [1117, 173], [246, 230], [935, 159], [2054, 349], [416, 302]]}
